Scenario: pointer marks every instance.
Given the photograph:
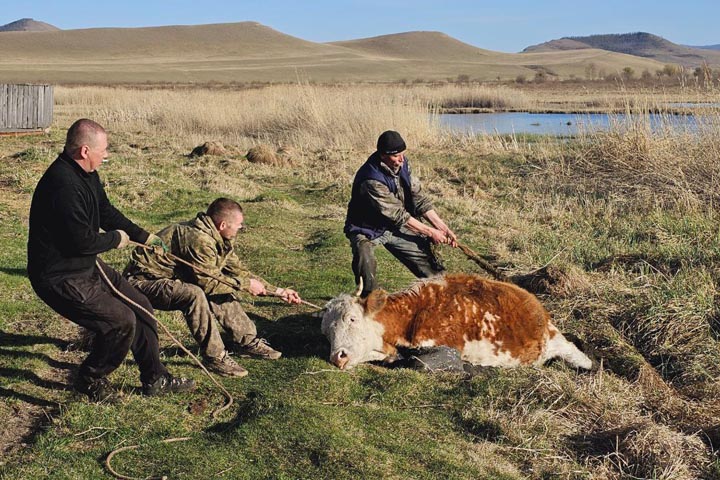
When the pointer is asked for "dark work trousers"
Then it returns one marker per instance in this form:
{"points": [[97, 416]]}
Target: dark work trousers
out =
{"points": [[411, 249], [88, 301]]}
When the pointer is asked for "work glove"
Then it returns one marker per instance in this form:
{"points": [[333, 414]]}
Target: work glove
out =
{"points": [[124, 239], [156, 242]]}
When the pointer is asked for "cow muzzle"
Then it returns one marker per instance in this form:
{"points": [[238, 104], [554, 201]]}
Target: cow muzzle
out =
{"points": [[340, 359]]}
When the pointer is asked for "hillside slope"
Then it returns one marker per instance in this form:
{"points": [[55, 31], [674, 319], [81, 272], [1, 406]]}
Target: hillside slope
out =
{"points": [[417, 45], [251, 52]]}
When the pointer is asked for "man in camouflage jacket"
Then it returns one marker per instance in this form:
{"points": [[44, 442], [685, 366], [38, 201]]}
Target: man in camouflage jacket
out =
{"points": [[385, 207], [206, 242]]}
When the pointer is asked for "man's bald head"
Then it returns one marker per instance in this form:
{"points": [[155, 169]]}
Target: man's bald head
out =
{"points": [[83, 132]]}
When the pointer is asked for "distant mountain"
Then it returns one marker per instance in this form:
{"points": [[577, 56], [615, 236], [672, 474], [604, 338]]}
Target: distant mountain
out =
{"points": [[640, 44], [28, 25], [705, 47]]}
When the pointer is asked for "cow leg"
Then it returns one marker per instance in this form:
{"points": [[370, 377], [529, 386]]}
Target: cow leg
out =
{"points": [[559, 346]]}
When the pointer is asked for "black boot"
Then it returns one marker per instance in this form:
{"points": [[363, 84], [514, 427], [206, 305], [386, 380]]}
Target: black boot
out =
{"points": [[168, 384], [97, 389]]}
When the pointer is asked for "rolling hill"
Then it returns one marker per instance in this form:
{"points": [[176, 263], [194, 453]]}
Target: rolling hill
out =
{"points": [[251, 52], [417, 45], [640, 44]]}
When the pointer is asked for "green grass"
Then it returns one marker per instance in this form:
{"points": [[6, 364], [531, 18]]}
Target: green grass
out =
{"points": [[298, 417]]}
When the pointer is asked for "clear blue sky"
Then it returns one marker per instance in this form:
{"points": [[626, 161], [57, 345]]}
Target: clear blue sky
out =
{"points": [[507, 26]]}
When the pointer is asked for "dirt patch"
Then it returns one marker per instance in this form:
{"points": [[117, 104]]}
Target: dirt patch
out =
{"points": [[31, 397], [635, 262], [551, 280]]}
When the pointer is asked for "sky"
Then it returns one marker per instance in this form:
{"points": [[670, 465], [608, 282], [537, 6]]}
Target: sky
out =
{"points": [[507, 26]]}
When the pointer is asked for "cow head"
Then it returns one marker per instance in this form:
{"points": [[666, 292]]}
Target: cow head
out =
{"points": [[355, 337]]}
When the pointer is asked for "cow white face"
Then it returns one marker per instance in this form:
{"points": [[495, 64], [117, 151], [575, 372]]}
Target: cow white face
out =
{"points": [[353, 334]]}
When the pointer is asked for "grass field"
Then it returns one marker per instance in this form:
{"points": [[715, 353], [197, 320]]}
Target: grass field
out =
{"points": [[630, 215]]}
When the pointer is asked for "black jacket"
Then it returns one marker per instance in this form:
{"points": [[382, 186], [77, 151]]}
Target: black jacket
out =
{"points": [[68, 209]]}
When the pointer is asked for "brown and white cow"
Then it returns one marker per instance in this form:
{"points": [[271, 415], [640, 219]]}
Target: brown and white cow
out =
{"points": [[490, 323]]}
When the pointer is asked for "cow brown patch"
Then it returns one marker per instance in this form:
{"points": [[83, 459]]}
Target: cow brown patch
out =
{"points": [[446, 315]]}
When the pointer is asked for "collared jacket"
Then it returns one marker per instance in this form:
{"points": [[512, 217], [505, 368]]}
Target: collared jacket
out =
{"points": [[68, 209], [383, 200], [198, 242]]}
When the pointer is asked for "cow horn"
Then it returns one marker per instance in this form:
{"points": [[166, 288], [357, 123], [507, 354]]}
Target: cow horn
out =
{"points": [[359, 288]]}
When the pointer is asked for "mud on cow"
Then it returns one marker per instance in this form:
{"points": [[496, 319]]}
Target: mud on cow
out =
{"points": [[490, 323]]}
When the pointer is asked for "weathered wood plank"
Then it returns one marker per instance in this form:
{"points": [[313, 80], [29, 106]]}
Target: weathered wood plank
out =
{"points": [[25, 107]]}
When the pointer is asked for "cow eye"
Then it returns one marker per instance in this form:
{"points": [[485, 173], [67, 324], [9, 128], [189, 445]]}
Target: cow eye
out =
{"points": [[352, 319]]}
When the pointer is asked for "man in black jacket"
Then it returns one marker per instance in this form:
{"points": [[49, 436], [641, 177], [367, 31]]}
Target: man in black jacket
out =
{"points": [[69, 207]]}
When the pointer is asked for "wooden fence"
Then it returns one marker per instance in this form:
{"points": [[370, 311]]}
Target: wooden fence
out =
{"points": [[25, 107]]}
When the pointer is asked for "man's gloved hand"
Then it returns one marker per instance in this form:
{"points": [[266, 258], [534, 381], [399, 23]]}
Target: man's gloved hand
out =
{"points": [[156, 242], [124, 239]]}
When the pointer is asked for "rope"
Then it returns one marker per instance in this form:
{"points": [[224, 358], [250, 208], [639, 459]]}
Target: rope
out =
{"points": [[133, 447], [229, 397], [175, 340], [212, 275], [484, 264]]}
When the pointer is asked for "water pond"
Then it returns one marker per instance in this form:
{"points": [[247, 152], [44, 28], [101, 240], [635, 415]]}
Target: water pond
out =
{"points": [[557, 124]]}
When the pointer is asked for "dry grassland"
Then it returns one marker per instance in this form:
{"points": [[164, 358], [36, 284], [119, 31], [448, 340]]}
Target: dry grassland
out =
{"points": [[630, 214]]}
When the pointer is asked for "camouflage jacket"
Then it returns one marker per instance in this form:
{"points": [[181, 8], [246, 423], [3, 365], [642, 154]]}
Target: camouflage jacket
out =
{"points": [[197, 242]]}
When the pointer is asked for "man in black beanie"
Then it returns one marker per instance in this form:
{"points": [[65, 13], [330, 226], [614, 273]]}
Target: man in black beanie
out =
{"points": [[385, 208]]}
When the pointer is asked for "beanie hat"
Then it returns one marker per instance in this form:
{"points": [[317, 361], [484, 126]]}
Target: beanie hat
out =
{"points": [[390, 143]]}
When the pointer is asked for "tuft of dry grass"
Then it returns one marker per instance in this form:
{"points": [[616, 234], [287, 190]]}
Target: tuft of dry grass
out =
{"points": [[304, 116], [264, 155], [208, 148]]}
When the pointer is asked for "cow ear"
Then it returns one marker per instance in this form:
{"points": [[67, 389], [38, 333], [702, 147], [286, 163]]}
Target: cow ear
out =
{"points": [[375, 301]]}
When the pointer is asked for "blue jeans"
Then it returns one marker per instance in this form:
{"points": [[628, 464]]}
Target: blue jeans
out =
{"points": [[411, 249]]}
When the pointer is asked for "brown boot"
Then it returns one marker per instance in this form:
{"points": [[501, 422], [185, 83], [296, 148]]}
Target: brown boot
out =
{"points": [[224, 365], [258, 348]]}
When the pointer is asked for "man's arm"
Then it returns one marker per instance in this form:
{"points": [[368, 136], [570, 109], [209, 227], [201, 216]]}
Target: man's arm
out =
{"points": [[76, 235], [254, 284], [438, 223]]}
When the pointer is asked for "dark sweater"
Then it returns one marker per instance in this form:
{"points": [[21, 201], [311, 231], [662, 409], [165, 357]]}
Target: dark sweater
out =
{"points": [[69, 207]]}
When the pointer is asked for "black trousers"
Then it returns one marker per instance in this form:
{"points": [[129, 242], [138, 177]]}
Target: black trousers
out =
{"points": [[413, 250], [88, 301]]}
